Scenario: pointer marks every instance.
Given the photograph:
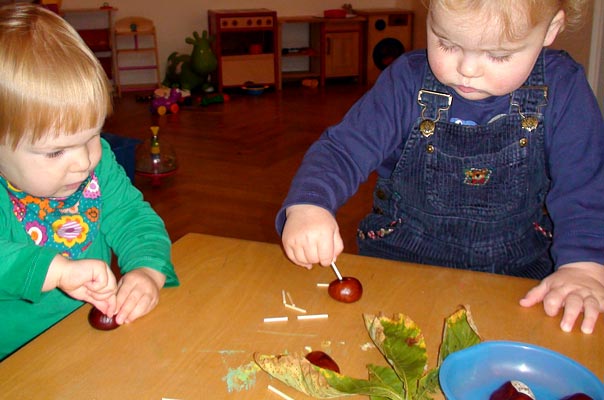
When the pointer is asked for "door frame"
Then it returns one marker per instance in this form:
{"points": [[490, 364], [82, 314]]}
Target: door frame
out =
{"points": [[595, 74]]}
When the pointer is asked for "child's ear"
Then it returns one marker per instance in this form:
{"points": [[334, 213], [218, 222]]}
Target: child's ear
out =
{"points": [[555, 27]]}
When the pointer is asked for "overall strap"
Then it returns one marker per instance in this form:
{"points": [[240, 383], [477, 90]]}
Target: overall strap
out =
{"points": [[529, 99], [435, 101]]}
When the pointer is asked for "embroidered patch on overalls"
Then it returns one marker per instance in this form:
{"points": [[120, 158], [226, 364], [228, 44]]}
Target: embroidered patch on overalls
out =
{"points": [[477, 176], [380, 233]]}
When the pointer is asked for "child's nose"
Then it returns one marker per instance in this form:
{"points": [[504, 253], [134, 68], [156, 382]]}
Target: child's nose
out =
{"points": [[81, 159], [468, 66]]}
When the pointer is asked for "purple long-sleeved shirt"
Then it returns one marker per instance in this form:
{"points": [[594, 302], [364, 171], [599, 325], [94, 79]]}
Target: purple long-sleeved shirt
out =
{"points": [[372, 134]]}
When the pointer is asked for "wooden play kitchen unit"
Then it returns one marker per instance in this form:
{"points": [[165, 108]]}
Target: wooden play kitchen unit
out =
{"points": [[245, 45], [335, 48], [202, 336]]}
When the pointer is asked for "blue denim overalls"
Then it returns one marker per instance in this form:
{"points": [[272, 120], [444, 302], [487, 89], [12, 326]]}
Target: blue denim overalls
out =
{"points": [[469, 197]]}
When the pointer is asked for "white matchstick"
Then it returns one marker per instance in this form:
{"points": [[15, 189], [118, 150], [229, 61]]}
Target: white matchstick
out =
{"points": [[279, 393], [293, 307], [291, 301], [336, 271], [312, 316], [276, 319]]}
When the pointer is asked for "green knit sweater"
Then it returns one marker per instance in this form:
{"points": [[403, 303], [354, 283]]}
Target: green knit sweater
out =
{"points": [[128, 226]]}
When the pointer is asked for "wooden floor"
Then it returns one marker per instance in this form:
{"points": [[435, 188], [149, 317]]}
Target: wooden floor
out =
{"points": [[237, 159]]}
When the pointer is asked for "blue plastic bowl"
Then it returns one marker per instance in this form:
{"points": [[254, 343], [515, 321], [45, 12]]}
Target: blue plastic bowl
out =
{"points": [[476, 372]]}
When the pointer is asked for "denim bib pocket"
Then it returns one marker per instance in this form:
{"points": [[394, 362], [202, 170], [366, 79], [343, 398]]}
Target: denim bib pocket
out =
{"points": [[492, 185]]}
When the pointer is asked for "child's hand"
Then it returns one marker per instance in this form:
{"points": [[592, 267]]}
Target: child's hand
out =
{"points": [[578, 287], [138, 294], [311, 235], [88, 280]]}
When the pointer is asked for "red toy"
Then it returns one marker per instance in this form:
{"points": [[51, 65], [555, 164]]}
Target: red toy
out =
{"points": [[166, 101]]}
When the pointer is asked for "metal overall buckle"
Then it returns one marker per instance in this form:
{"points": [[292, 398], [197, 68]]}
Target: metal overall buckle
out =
{"points": [[529, 123], [427, 126]]}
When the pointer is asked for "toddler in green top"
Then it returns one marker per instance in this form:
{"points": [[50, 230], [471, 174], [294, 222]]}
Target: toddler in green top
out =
{"points": [[65, 203]]}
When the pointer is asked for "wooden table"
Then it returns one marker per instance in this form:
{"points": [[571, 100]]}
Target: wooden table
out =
{"points": [[200, 339]]}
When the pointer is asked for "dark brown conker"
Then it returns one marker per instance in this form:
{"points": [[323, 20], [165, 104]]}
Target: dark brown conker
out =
{"points": [[100, 321], [347, 290], [322, 360], [513, 390], [578, 396]]}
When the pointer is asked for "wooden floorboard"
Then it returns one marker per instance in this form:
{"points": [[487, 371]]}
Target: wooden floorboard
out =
{"points": [[236, 159]]}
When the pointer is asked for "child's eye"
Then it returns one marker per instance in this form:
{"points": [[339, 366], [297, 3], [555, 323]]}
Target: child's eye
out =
{"points": [[500, 59], [55, 154], [444, 47]]}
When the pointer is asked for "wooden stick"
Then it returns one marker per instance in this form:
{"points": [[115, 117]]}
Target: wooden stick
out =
{"points": [[313, 316], [336, 271], [291, 301], [279, 393], [276, 319], [293, 307]]}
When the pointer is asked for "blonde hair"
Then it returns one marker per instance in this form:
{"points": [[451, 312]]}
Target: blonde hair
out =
{"points": [[505, 12], [50, 81]]}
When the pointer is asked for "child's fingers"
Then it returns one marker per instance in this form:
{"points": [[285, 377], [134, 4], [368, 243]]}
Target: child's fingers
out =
{"points": [[133, 309], [106, 306], [326, 253], [591, 313], [338, 244], [102, 281], [298, 256], [535, 295], [573, 306]]}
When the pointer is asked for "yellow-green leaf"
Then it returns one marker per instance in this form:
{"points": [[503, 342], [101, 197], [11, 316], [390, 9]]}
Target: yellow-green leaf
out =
{"points": [[459, 332], [298, 373], [401, 342]]}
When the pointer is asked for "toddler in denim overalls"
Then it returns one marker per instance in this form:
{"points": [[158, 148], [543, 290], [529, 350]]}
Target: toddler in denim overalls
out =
{"points": [[489, 151], [468, 196]]}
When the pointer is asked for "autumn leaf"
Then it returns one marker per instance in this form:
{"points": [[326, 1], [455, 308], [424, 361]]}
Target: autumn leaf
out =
{"points": [[399, 339], [459, 333], [299, 373]]}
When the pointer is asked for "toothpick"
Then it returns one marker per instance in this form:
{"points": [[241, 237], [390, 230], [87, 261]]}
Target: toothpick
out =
{"points": [[312, 316], [279, 393], [276, 319], [293, 307], [322, 284], [336, 271], [291, 301]]}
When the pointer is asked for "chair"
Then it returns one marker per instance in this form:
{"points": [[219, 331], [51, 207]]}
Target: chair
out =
{"points": [[135, 55]]}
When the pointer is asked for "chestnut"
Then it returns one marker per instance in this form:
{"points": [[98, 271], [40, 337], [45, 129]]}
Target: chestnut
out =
{"points": [[100, 321], [577, 396], [322, 360], [513, 390], [346, 290]]}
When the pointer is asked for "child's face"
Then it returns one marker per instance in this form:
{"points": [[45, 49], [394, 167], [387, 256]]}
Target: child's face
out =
{"points": [[54, 166], [468, 52]]}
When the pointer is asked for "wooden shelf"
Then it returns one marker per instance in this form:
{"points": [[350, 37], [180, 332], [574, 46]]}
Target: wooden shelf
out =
{"points": [[296, 75], [94, 26], [136, 54], [336, 46]]}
